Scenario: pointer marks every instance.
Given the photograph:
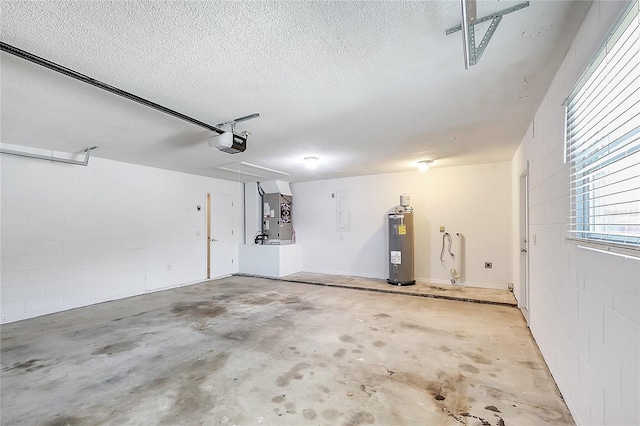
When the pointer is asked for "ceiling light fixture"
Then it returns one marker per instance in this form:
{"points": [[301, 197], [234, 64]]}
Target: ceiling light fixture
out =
{"points": [[423, 165], [311, 162]]}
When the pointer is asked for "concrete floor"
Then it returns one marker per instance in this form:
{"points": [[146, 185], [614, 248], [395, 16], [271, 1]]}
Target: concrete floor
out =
{"points": [[246, 350]]}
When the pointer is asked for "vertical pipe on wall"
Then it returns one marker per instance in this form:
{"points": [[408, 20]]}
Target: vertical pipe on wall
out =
{"points": [[244, 213]]}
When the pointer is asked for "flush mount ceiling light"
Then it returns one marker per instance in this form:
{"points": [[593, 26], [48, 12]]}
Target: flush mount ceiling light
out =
{"points": [[311, 162], [423, 165], [469, 21]]}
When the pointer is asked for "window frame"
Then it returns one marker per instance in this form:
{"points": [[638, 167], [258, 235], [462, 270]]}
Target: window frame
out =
{"points": [[583, 228]]}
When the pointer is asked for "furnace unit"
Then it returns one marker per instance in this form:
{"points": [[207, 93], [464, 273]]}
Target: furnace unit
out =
{"points": [[277, 227]]}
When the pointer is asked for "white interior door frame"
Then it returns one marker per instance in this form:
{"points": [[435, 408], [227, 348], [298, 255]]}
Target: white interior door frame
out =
{"points": [[208, 233], [524, 242], [220, 235]]}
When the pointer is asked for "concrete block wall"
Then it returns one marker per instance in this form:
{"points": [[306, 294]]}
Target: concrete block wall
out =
{"points": [[584, 304], [74, 236]]}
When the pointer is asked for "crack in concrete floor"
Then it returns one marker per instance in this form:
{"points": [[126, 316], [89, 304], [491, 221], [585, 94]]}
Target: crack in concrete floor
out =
{"points": [[423, 289]]}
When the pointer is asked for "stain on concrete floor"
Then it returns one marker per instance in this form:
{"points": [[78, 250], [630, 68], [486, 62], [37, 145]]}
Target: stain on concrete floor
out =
{"points": [[252, 351]]}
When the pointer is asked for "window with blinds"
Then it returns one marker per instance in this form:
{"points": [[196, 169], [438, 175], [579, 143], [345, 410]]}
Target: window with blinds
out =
{"points": [[602, 144]]}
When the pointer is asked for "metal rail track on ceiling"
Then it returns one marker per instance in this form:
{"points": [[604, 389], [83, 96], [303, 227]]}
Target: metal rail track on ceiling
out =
{"points": [[99, 84]]}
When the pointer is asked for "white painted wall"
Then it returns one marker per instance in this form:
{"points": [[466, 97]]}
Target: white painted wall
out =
{"points": [[473, 200], [270, 260], [74, 236], [585, 309]]}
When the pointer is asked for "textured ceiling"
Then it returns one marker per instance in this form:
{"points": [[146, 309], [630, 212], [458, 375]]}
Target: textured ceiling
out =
{"points": [[368, 87]]}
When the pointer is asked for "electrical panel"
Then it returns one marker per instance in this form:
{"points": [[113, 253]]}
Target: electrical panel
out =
{"points": [[277, 226]]}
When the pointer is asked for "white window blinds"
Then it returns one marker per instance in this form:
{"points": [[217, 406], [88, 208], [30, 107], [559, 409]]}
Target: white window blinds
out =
{"points": [[602, 142]]}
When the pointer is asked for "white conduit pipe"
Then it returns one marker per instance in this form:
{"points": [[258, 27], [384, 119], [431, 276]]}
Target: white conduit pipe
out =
{"points": [[454, 248]]}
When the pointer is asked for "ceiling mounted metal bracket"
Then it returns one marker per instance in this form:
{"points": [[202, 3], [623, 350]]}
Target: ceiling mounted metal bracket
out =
{"points": [[238, 120], [472, 53], [85, 162]]}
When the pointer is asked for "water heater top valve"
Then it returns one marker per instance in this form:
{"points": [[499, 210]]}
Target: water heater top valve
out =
{"points": [[405, 200]]}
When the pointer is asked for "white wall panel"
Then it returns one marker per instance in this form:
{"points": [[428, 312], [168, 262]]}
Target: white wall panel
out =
{"points": [[73, 236], [472, 200]]}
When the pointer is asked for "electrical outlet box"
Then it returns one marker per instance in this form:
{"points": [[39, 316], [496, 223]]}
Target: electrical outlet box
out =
{"points": [[442, 229], [488, 265]]}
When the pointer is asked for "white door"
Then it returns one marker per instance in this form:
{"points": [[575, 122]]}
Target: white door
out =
{"points": [[220, 235], [524, 243]]}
